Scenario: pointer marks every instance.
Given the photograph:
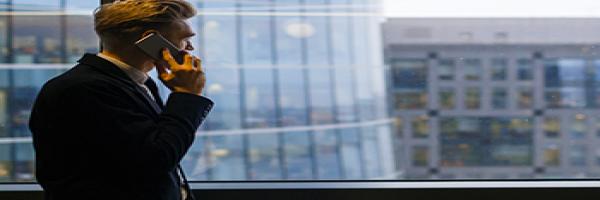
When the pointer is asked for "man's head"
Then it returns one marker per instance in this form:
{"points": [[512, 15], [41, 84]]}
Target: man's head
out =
{"points": [[121, 23]]}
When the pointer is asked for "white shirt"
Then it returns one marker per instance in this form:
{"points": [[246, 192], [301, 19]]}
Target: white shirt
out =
{"points": [[138, 76]]}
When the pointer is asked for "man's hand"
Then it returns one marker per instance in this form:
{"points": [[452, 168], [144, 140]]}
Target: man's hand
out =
{"points": [[187, 77]]}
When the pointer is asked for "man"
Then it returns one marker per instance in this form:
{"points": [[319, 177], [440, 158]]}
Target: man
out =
{"points": [[101, 131]]}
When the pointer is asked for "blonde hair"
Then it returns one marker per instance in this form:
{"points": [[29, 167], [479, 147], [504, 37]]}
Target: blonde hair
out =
{"points": [[128, 19]]}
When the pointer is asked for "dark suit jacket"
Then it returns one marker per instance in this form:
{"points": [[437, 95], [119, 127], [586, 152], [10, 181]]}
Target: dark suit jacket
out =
{"points": [[97, 136]]}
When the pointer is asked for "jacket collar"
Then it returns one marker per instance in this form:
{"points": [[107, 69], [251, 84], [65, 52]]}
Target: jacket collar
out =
{"points": [[106, 67], [112, 70]]}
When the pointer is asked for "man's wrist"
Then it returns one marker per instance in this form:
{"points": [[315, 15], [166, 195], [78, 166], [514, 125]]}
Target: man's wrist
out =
{"points": [[187, 91]]}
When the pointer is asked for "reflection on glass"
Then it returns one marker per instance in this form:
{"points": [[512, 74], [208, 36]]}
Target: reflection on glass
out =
{"points": [[447, 98], [340, 38], [256, 40], [260, 98], [472, 98], [499, 98], [499, 69], [298, 158], [219, 41], [371, 152], [223, 87], [30, 45], [318, 55], [344, 96], [328, 159], [290, 30], [351, 155], [321, 96], [292, 97], [226, 154], [472, 69], [81, 37], [264, 156]]}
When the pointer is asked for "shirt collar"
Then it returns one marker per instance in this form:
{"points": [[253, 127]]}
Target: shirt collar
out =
{"points": [[135, 74]]}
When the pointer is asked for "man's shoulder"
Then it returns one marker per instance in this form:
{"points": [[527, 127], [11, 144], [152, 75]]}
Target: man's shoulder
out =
{"points": [[80, 76]]}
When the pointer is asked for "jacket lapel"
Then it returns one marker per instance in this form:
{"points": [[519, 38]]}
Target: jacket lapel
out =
{"points": [[110, 69]]}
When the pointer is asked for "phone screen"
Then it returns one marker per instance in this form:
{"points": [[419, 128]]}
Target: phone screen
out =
{"points": [[153, 44]]}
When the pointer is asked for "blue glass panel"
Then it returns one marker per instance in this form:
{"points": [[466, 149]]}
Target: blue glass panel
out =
{"points": [[256, 40], [226, 158], [298, 158], [328, 160], [264, 157], [292, 97], [259, 98], [344, 95], [321, 96], [222, 87]]}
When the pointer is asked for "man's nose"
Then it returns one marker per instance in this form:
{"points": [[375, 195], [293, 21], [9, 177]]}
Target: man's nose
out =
{"points": [[188, 46]]}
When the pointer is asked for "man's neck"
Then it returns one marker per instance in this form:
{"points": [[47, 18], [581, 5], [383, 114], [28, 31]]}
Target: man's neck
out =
{"points": [[130, 60]]}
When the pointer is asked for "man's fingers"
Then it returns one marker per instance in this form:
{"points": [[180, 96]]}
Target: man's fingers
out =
{"points": [[169, 58], [197, 63], [188, 60]]}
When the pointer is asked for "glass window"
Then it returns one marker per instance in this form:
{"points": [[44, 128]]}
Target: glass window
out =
{"points": [[223, 87], [321, 95], [447, 98], [525, 98], [292, 97], [264, 157], [318, 50], [371, 152], [344, 95], [420, 127], [499, 98], [578, 126], [341, 38], [298, 155], [256, 40], [420, 156], [350, 151], [3, 39], [446, 69], [226, 158], [524, 69], [219, 37], [577, 155], [472, 98], [551, 155], [81, 37], [365, 93], [472, 69], [259, 98], [410, 100], [409, 74], [290, 32], [552, 127], [37, 39], [328, 159], [499, 69]]}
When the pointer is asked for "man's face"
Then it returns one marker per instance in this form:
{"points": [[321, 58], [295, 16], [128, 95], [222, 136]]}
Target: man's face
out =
{"points": [[180, 34]]}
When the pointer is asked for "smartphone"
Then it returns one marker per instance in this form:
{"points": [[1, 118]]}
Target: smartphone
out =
{"points": [[154, 43]]}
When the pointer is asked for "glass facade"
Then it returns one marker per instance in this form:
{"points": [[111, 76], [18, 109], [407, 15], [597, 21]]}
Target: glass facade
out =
{"points": [[296, 97]]}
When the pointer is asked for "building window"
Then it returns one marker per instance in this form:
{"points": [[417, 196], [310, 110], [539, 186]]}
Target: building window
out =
{"points": [[447, 98], [498, 69], [565, 83], [446, 69], [410, 100], [524, 69], [578, 126], [420, 156], [472, 98], [525, 98], [551, 127], [420, 127], [409, 74], [499, 98], [577, 155], [551, 155], [472, 70]]}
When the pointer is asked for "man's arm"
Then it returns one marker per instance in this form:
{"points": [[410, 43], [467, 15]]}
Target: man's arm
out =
{"points": [[111, 121]]}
